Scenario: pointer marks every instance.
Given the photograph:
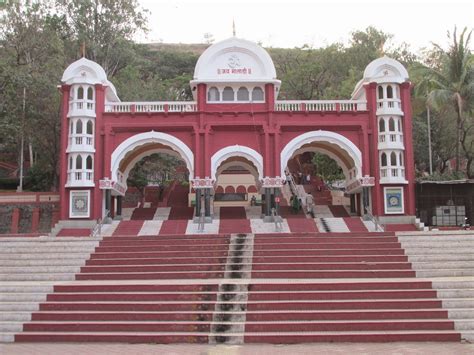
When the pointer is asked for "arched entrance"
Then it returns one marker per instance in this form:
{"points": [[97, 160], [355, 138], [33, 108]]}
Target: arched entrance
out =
{"points": [[335, 146], [133, 150]]}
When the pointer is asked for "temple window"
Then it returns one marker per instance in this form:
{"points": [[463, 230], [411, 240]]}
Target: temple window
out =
{"points": [[243, 94], [213, 94], [257, 94], [228, 94]]}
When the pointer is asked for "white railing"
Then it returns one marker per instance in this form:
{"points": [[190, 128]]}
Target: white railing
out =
{"points": [[391, 137], [321, 105], [395, 172], [389, 104], [162, 106]]}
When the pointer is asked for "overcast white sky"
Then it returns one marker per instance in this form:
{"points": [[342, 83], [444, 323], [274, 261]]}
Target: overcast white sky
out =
{"points": [[295, 23]]}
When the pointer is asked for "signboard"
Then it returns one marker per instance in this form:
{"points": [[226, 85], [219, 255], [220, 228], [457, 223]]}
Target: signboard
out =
{"points": [[393, 197]]}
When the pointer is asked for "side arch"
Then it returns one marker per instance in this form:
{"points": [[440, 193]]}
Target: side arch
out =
{"points": [[223, 154], [128, 145], [344, 144]]}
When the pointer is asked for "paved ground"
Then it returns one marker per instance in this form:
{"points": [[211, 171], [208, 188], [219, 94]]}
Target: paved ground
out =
{"points": [[344, 348]]}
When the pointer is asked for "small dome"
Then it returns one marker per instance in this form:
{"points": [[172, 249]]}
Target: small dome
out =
{"points": [[385, 69], [235, 60], [84, 71]]}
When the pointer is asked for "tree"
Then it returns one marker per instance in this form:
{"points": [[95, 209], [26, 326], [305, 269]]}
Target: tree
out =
{"points": [[451, 83], [106, 27], [327, 168]]}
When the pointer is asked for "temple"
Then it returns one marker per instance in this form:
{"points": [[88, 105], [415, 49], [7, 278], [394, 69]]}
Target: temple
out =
{"points": [[236, 123]]}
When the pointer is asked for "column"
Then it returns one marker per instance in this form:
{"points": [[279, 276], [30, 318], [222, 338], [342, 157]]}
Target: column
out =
{"points": [[268, 201], [119, 207], [198, 203], [207, 202]]}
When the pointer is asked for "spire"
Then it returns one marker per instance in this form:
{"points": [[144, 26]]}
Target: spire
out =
{"points": [[83, 49], [233, 27]]}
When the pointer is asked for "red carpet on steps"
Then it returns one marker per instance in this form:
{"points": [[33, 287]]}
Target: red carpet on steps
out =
{"points": [[400, 227], [228, 226], [128, 228], [74, 232], [181, 212], [299, 225], [143, 213], [232, 213], [355, 224], [338, 211], [177, 226], [179, 196], [286, 212]]}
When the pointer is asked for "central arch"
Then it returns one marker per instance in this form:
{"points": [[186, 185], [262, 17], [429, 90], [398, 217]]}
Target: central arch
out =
{"points": [[247, 153], [152, 142], [345, 153]]}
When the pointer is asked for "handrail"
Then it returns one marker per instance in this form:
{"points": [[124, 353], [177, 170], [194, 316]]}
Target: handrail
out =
{"points": [[375, 221], [277, 220], [97, 230], [201, 222]]}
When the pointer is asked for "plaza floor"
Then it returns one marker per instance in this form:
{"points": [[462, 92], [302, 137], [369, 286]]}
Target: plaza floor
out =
{"points": [[260, 349]]}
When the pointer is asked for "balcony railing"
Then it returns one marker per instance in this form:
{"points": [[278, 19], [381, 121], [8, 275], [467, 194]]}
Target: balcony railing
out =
{"points": [[321, 105], [140, 107], [191, 106], [389, 106]]}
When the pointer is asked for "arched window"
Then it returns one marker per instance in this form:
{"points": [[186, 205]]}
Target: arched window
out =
{"points": [[79, 127], [228, 94], [70, 163], [213, 94], [71, 125], [380, 92], [80, 93], [393, 159], [399, 125], [89, 127], [229, 189], [90, 94], [389, 92], [257, 94], [243, 94], [89, 163], [381, 125], [384, 159], [78, 162], [71, 94], [401, 159], [391, 125]]}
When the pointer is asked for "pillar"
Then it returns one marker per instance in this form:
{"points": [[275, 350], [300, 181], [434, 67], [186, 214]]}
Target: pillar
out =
{"points": [[35, 220], [353, 203], [198, 202], [268, 201], [108, 200], [207, 202], [15, 221], [119, 207]]}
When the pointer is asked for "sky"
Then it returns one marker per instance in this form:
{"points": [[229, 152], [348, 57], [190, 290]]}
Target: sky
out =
{"points": [[316, 23]]}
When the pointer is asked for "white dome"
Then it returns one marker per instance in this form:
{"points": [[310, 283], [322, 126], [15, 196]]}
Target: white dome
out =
{"points": [[235, 60], [386, 69], [85, 71]]}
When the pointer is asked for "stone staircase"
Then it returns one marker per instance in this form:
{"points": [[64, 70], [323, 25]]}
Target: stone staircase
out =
{"points": [[263, 288], [447, 258], [331, 225], [29, 268]]}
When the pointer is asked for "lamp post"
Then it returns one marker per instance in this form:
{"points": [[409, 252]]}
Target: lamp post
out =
{"points": [[429, 138]]}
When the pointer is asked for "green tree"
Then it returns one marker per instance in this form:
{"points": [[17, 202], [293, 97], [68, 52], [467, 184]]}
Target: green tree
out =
{"points": [[451, 82], [106, 27], [327, 168]]}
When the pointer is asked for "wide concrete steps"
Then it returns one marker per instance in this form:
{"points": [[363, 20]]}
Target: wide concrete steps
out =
{"points": [[28, 269], [164, 313], [447, 259], [360, 255], [146, 258]]}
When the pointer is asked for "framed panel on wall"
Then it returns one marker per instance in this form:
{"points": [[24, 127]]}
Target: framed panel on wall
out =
{"points": [[79, 204], [393, 198]]}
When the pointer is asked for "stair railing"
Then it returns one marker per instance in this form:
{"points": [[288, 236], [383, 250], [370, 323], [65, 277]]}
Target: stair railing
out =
{"points": [[201, 222], [97, 230], [375, 221], [277, 220]]}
